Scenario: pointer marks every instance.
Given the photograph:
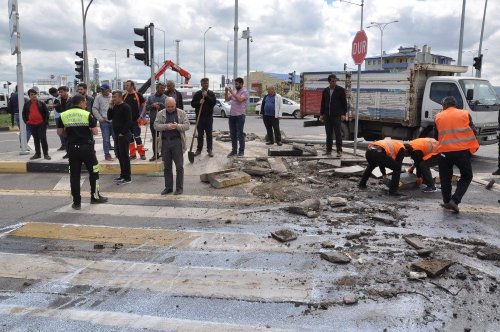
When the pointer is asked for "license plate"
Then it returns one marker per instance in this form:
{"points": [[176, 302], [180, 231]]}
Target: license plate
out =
{"points": [[491, 137]]}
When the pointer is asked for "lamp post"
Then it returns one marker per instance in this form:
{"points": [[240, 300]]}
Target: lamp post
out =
{"points": [[204, 63], [116, 67], [85, 55], [163, 48], [227, 60], [381, 26], [246, 35]]}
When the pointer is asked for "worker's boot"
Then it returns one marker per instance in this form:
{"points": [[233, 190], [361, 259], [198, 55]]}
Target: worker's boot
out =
{"points": [[142, 153], [131, 148]]}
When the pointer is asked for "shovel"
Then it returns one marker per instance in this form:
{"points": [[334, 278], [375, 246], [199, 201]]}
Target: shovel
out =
{"points": [[191, 153]]}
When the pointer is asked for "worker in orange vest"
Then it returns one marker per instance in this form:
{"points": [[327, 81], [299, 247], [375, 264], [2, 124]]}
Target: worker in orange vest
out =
{"points": [[456, 135], [385, 153], [424, 153]]}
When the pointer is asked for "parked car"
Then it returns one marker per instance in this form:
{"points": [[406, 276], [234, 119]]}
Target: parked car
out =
{"points": [[253, 100], [222, 108], [289, 107], [189, 111]]}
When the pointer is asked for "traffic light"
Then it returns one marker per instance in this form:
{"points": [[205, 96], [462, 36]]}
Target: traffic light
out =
{"points": [[144, 44], [291, 77], [478, 62], [79, 66]]}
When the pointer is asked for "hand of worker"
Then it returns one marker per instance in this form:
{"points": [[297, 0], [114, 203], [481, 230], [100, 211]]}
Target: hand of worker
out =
{"points": [[342, 117]]}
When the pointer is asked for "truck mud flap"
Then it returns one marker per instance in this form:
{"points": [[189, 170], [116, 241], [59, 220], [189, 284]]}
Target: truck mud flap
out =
{"points": [[313, 123]]}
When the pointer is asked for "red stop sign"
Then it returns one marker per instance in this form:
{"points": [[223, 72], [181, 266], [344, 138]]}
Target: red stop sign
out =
{"points": [[359, 47]]}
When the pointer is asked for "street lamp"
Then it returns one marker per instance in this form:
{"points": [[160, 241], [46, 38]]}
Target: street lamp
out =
{"points": [[381, 26], [85, 55], [246, 35], [204, 63], [163, 48], [227, 60]]}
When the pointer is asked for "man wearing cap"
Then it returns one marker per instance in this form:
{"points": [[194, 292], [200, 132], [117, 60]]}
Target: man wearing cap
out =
{"points": [[100, 111], [333, 112]]}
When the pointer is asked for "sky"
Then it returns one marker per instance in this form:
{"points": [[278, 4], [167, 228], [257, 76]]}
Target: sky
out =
{"points": [[288, 35]]}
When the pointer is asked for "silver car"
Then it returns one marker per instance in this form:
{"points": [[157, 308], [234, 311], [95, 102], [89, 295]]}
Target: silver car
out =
{"points": [[222, 108]]}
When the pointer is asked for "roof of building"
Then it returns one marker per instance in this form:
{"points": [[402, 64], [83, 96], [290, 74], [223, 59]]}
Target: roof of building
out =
{"points": [[408, 52]]}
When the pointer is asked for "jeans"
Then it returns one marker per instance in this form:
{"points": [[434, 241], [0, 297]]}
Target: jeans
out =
{"points": [[447, 160], [121, 151], [62, 138], [28, 131], [205, 126], [236, 126], [40, 137], [272, 125], [333, 125], [171, 151], [78, 154], [107, 133]]}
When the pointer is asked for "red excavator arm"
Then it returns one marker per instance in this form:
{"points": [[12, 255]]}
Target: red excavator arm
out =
{"points": [[168, 64]]}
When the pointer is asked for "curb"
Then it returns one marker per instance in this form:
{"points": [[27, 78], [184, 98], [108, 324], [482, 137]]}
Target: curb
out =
{"points": [[59, 167]]}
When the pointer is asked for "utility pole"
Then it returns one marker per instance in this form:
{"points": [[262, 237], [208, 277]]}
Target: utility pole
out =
{"points": [[177, 61], [478, 71], [461, 38], [85, 54], [235, 59]]}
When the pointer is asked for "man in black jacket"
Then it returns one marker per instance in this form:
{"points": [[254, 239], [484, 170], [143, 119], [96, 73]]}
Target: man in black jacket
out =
{"points": [[120, 115], [205, 123], [171, 91], [333, 112]]}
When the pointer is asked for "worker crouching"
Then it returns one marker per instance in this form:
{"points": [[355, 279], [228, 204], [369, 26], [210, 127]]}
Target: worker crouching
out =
{"points": [[385, 154], [424, 153]]}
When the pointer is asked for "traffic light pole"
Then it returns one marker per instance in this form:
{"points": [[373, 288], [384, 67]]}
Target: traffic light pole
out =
{"points": [[478, 71], [152, 56], [85, 54]]}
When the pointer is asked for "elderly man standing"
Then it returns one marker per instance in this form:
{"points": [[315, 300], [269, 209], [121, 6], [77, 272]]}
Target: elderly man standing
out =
{"points": [[333, 112], [172, 123], [100, 111], [154, 104], [237, 112], [455, 133], [271, 114]]}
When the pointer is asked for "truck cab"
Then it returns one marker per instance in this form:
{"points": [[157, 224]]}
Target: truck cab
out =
{"points": [[473, 94]]}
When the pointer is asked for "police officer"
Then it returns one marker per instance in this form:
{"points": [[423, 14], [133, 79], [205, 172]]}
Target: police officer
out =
{"points": [[79, 126]]}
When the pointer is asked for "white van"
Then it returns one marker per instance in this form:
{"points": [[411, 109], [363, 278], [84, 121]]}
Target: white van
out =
{"points": [[3, 102]]}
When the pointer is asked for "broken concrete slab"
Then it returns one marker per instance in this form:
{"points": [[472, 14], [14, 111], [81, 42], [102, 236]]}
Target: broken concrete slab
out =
{"points": [[315, 180], [424, 252], [433, 267], [335, 257], [417, 275], [331, 162], [384, 218], [414, 241], [284, 235], [360, 234], [327, 244], [329, 170], [257, 171], [310, 150], [489, 253], [205, 177], [335, 201], [377, 174], [350, 299], [309, 205], [277, 165], [275, 152], [349, 171], [229, 179]]}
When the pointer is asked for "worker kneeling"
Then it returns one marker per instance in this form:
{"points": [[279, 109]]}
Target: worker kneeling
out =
{"points": [[424, 153], [385, 153], [79, 125]]}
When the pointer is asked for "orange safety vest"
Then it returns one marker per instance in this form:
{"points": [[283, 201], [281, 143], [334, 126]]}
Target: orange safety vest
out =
{"points": [[454, 132], [391, 147], [427, 145]]}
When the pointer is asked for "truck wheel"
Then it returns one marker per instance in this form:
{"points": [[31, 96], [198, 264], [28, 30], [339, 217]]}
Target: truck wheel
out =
{"points": [[296, 114]]}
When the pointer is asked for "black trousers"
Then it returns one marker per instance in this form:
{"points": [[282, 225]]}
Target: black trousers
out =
{"points": [[447, 160], [333, 125], [39, 134], [205, 126], [378, 158], [78, 154], [171, 151], [424, 169], [272, 128], [153, 134], [121, 151]]}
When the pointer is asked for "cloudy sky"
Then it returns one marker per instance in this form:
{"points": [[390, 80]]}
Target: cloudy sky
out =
{"points": [[300, 35]]}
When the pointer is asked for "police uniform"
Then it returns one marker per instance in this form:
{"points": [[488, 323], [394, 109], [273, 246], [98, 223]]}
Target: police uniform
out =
{"points": [[77, 123]]}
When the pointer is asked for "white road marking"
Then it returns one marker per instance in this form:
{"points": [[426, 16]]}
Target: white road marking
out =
{"points": [[65, 184]]}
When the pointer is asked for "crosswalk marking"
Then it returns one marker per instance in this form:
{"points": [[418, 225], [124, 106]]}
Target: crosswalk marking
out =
{"points": [[65, 183], [130, 320], [206, 282], [194, 240]]}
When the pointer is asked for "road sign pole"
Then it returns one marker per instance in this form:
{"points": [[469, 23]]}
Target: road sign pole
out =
{"points": [[356, 120]]}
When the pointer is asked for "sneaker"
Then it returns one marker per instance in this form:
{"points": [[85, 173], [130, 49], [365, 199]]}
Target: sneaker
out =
{"points": [[123, 181], [118, 179], [231, 154], [76, 206], [497, 172], [109, 158], [99, 200], [241, 154], [197, 153], [429, 189], [166, 191], [65, 156], [210, 154], [46, 157], [153, 158], [339, 154], [143, 157], [62, 148], [453, 206], [133, 157], [35, 156], [178, 192]]}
